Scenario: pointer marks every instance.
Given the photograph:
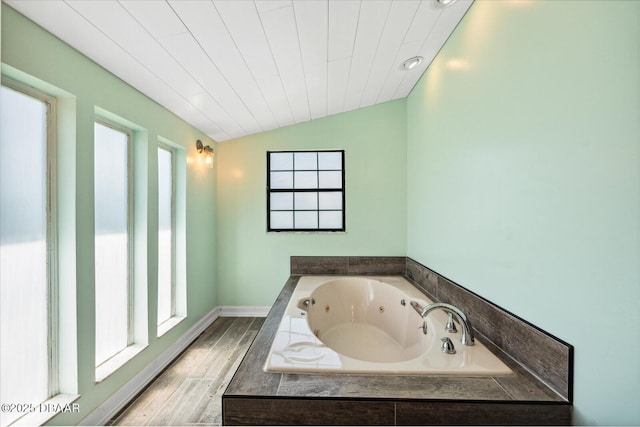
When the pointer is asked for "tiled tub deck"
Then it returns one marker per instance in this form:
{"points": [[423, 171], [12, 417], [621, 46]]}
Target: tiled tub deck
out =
{"points": [[539, 392]]}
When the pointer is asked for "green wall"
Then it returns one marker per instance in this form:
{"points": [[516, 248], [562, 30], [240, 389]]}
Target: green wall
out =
{"points": [[30, 53], [523, 147], [254, 264]]}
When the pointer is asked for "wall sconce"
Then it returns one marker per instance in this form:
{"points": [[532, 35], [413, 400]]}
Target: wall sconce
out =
{"points": [[207, 154]]}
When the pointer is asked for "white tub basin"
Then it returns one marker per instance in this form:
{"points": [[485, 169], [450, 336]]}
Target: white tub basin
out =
{"points": [[366, 325]]}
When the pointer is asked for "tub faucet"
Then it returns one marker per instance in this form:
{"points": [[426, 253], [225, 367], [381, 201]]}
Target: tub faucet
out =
{"points": [[467, 331]]}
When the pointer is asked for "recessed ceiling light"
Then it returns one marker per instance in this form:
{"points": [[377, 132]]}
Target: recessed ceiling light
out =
{"points": [[412, 63], [446, 2]]}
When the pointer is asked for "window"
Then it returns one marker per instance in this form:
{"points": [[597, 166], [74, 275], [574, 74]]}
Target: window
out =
{"points": [[166, 235], [305, 191], [113, 241], [28, 280]]}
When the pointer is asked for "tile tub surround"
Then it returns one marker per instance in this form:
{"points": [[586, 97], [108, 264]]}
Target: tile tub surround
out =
{"points": [[256, 397]]}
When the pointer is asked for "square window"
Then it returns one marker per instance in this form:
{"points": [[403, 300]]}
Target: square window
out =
{"points": [[308, 196]]}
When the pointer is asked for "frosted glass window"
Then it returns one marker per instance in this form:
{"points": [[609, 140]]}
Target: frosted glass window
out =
{"points": [[283, 180], [282, 201], [306, 160], [281, 161], [306, 180], [332, 179], [306, 201], [112, 269], [25, 282], [166, 247], [331, 200], [330, 160], [282, 220], [306, 219], [297, 197], [330, 219]]}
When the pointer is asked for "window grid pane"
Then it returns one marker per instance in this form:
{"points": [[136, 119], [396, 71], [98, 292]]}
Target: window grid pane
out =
{"points": [[308, 196]]}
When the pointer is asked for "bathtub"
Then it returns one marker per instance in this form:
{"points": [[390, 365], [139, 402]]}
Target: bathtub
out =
{"points": [[365, 325]]}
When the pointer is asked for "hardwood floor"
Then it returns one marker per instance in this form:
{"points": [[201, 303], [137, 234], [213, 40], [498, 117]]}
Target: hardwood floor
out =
{"points": [[189, 391]]}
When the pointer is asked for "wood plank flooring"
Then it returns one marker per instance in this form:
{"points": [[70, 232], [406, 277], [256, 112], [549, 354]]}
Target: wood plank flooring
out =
{"points": [[189, 391]]}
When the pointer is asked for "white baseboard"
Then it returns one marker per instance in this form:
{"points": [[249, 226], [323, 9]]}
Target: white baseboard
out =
{"points": [[118, 400], [243, 311]]}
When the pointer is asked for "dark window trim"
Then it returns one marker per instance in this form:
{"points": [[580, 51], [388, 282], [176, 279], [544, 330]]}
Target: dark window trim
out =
{"points": [[305, 190]]}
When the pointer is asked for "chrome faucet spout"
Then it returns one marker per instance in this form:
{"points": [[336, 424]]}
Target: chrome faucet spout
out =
{"points": [[467, 337]]}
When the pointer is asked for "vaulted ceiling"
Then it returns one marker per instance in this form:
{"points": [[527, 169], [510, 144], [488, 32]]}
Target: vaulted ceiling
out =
{"points": [[234, 68]]}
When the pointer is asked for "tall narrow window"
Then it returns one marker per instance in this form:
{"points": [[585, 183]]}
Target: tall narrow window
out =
{"points": [[113, 265], [166, 235], [305, 191], [27, 250]]}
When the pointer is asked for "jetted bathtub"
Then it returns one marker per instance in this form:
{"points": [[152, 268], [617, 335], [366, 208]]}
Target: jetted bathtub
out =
{"points": [[367, 325]]}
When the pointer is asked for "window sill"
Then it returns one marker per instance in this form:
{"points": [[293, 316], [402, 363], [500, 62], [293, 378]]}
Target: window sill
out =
{"points": [[48, 409], [111, 365], [166, 326]]}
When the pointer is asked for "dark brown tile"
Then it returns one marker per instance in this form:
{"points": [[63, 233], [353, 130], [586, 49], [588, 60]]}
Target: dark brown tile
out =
{"points": [[319, 265], [481, 413], [243, 411], [377, 265]]}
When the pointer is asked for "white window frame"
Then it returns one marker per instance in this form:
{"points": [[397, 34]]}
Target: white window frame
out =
{"points": [[106, 368], [167, 324], [51, 243]]}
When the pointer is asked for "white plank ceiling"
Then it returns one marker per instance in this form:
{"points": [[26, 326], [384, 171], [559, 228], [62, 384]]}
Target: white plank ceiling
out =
{"points": [[235, 68]]}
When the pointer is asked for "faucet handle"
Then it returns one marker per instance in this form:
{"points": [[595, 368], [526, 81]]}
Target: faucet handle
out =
{"points": [[423, 327], [447, 346], [450, 326]]}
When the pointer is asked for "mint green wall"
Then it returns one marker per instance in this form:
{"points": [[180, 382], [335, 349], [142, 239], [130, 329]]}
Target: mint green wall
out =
{"points": [[30, 53], [254, 264], [524, 179]]}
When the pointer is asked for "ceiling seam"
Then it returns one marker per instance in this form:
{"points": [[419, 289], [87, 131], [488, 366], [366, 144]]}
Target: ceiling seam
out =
{"points": [[386, 19], [353, 48], [275, 63], [202, 86], [220, 72], [136, 60], [395, 92], [304, 72], [249, 69]]}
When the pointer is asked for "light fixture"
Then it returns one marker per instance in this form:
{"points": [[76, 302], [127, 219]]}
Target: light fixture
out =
{"points": [[207, 154], [446, 2], [411, 63]]}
